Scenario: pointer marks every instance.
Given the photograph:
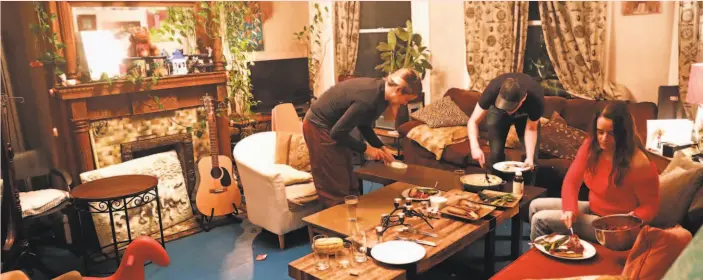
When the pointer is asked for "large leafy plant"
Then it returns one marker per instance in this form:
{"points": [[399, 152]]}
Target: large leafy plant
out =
{"points": [[404, 49]]}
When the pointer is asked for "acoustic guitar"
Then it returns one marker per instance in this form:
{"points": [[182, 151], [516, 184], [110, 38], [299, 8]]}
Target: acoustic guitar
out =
{"points": [[217, 194]]}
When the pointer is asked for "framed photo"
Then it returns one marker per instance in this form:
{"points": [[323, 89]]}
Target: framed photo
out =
{"points": [[633, 8], [674, 131], [87, 23]]}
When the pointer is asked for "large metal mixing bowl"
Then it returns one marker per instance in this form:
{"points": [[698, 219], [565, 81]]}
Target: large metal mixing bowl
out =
{"points": [[617, 232]]}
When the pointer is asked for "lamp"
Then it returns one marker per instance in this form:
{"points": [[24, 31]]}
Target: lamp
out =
{"points": [[695, 96]]}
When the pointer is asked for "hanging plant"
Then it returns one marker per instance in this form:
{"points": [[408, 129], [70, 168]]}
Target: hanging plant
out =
{"points": [[311, 35], [46, 38], [236, 46]]}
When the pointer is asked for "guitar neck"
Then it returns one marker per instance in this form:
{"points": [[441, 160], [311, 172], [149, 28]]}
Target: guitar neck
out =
{"points": [[214, 147]]}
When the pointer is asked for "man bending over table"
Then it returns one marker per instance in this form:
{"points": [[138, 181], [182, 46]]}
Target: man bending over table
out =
{"points": [[346, 105]]}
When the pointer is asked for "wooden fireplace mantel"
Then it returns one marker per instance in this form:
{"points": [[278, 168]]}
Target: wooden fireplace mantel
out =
{"points": [[124, 86], [80, 105]]}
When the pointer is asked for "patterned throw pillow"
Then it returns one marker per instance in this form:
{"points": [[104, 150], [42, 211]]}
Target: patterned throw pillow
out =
{"points": [[292, 150], [443, 113], [559, 140]]}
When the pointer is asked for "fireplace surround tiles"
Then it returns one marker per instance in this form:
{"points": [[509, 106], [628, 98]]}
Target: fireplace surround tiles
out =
{"points": [[108, 136]]}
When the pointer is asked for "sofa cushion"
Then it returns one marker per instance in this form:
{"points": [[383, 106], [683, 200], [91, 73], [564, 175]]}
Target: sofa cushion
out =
{"points": [[403, 129], [695, 212], [465, 99], [678, 184], [553, 104], [442, 113], [559, 140], [654, 251], [676, 190]]}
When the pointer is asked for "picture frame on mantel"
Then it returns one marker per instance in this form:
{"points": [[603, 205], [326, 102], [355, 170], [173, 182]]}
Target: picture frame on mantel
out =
{"points": [[635, 8]]}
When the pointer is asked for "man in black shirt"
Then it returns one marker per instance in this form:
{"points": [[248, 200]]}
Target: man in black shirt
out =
{"points": [[346, 105], [509, 99]]}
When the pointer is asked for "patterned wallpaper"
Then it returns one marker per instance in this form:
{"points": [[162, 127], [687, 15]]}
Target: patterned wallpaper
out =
{"points": [[107, 135]]}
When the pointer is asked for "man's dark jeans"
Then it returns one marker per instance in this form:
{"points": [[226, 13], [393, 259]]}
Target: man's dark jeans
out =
{"points": [[499, 123]]}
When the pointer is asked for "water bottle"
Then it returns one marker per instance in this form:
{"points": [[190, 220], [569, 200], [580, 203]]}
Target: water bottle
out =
{"points": [[518, 184]]}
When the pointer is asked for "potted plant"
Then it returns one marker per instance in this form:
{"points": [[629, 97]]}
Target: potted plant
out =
{"points": [[404, 49]]}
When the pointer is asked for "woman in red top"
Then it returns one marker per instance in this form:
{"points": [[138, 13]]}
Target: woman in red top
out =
{"points": [[613, 164]]}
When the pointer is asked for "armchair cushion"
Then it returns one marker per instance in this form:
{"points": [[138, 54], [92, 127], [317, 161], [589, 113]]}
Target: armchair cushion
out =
{"points": [[300, 194], [37, 202], [291, 150], [443, 113], [291, 175]]}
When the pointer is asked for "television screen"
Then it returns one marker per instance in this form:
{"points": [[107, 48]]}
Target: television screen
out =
{"points": [[280, 81]]}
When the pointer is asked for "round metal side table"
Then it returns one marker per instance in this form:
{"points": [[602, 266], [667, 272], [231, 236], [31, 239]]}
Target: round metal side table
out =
{"points": [[117, 194]]}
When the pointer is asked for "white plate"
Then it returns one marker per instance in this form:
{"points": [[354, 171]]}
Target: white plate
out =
{"points": [[407, 191], [503, 166], [588, 250], [398, 252]]}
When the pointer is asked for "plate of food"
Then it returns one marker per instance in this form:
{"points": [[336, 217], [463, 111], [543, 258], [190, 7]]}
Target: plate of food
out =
{"points": [[420, 193], [564, 247], [511, 166], [494, 198], [482, 181], [465, 209]]}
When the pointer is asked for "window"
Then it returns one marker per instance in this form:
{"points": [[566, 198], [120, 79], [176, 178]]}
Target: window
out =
{"points": [[537, 63], [376, 18]]}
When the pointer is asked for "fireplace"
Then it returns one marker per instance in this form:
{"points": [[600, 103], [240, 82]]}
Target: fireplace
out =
{"points": [[166, 157], [181, 143]]}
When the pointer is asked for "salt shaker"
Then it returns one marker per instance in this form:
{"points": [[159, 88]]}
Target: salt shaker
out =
{"points": [[379, 234]]}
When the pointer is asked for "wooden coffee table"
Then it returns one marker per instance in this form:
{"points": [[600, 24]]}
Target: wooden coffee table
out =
{"points": [[454, 235], [446, 180]]}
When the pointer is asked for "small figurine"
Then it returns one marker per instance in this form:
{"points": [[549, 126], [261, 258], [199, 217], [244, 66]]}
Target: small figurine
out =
{"points": [[178, 63]]}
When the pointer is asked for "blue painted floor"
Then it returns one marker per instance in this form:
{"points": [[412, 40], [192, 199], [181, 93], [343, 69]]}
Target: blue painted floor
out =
{"points": [[229, 252]]}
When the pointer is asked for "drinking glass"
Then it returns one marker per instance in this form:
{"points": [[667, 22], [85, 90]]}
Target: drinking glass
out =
{"points": [[359, 249], [322, 258], [344, 256], [351, 201]]}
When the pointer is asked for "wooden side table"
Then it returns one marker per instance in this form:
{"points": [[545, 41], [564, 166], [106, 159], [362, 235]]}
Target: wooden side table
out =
{"points": [[115, 194]]}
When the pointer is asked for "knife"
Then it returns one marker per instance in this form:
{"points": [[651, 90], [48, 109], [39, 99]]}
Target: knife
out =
{"points": [[412, 230], [418, 241]]}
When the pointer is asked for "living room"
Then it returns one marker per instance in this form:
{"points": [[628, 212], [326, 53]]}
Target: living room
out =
{"points": [[175, 133]]}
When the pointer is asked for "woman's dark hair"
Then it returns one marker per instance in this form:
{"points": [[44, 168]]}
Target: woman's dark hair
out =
{"points": [[627, 141]]}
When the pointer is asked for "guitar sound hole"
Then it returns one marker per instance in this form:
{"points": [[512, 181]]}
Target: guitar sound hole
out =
{"points": [[215, 172]]}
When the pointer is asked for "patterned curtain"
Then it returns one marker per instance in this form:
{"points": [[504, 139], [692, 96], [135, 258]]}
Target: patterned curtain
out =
{"points": [[496, 33], [574, 33], [346, 37], [690, 45]]}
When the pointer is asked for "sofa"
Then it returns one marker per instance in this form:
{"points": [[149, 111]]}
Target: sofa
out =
{"points": [[576, 112]]}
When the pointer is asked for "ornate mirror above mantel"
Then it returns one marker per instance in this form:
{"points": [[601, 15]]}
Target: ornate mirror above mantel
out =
{"points": [[128, 64]]}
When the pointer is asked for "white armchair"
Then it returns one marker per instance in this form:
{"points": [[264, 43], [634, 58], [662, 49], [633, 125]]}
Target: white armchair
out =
{"points": [[266, 201]]}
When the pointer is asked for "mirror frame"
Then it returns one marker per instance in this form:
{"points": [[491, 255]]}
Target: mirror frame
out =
{"points": [[64, 27]]}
